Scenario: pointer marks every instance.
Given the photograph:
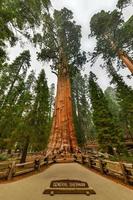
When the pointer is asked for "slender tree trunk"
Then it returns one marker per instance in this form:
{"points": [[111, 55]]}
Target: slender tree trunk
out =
{"points": [[11, 86], [9, 151], [121, 54], [126, 60], [25, 149]]}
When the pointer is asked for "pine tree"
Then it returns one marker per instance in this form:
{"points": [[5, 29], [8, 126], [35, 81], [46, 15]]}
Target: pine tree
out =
{"points": [[114, 37], [12, 76], [40, 115], [113, 104], [12, 86], [81, 109], [109, 135], [19, 17], [125, 95], [22, 132]]}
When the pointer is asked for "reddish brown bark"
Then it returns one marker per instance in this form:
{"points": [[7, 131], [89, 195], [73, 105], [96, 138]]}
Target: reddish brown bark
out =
{"points": [[121, 54], [63, 132], [126, 60]]}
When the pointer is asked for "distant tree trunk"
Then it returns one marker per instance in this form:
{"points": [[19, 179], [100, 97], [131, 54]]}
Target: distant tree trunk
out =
{"points": [[9, 151], [110, 150], [24, 150]]}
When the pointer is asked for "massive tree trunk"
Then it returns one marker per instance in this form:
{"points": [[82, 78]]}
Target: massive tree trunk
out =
{"points": [[63, 135]]}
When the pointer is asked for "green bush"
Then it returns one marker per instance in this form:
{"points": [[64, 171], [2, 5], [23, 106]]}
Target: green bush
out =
{"points": [[123, 158], [3, 157]]}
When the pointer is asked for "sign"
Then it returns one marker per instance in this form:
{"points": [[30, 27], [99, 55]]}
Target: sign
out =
{"points": [[68, 186]]}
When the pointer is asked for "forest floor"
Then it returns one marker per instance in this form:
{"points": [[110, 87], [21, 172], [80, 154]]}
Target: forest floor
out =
{"points": [[32, 187]]}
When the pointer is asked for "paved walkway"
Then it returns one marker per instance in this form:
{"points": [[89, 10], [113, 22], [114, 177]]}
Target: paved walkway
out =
{"points": [[31, 188]]}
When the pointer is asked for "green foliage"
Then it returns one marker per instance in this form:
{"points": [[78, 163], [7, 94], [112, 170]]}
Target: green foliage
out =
{"points": [[60, 41], [105, 23], [40, 114], [123, 3], [109, 134], [112, 34], [24, 107], [3, 157], [122, 158], [12, 78], [11, 89], [19, 16], [124, 95], [126, 34], [82, 115], [34, 124], [114, 107], [105, 27]]}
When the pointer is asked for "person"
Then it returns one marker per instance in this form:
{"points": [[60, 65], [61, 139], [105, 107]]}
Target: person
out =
{"points": [[75, 157], [46, 160], [36, 163]]}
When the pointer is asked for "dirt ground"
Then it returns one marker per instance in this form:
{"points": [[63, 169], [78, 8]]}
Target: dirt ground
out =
{"points": [[31, 188]]}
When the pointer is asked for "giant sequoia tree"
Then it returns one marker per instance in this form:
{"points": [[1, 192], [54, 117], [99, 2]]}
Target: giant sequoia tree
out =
{"points": [[114, 37], [60, 43]]}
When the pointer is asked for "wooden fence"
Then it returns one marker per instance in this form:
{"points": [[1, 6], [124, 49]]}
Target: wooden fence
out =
{"points": [[13, 169], [123, 171]]}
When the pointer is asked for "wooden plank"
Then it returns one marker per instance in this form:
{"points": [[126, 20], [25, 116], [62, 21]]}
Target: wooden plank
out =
{"points": [[124, 173], [24, 164], [114, 171], [89, 162], [23, 171], [101, 166], [11, 170]]}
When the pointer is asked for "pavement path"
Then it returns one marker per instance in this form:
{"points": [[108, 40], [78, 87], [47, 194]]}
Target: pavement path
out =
{"points": [[31, 188]]}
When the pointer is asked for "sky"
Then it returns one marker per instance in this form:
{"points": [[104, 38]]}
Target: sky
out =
{"points": [[82, 10]]}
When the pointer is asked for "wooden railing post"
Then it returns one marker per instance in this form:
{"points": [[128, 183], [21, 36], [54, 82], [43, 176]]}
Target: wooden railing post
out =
{"points": [[124, 173], [101, 166], [89, 162], [82, 159], [11, 170]]}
